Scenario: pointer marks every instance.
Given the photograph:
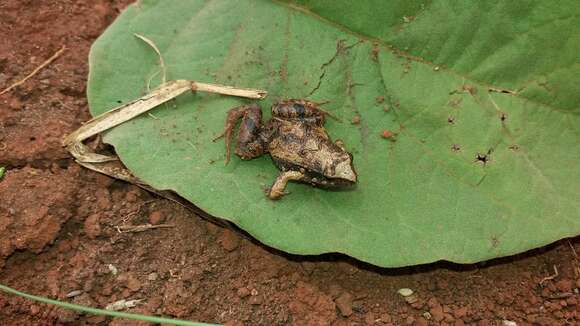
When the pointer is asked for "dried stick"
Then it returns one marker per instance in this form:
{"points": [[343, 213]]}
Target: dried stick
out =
{"points": [[126, 112], [550, 277], [141, 228], [165, 92], [228, 90], [35, 71]]}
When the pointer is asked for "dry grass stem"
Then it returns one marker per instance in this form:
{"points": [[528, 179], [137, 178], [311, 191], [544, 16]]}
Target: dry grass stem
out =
{"points": [[161, 61], [141, 228], [35, 71], [228, 90]]}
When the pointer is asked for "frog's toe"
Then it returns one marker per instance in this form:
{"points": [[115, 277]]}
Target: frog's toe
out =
{"points": [[274, 193], [218, 137], [277, 189]]}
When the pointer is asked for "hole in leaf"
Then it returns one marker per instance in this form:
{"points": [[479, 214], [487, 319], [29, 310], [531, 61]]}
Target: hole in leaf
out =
{"points": [[503, 116], [483, 158], [456, 148]]}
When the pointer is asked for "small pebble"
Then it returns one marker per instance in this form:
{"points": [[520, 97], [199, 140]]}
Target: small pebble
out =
{"points": [[34, 309], [92, 226], [123, 304], [387, 134], [564, 285], [405, 292], [243, 292], [133, 283], [344, 304], [229, 240], [131, 196], [153, 277], [113, 269], [74, 293], [508, 323], [256, 300], [156, 218]]}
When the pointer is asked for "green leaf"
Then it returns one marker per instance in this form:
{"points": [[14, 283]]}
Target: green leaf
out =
{"points": [[493, 78]]}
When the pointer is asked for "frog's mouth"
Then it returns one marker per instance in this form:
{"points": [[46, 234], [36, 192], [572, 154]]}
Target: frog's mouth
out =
{"points": [[342, 184], [345, 170], [321, 181]]}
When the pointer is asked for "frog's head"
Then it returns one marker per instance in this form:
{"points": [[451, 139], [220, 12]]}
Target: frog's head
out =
{"points": [[345, 170], [342, 168]]}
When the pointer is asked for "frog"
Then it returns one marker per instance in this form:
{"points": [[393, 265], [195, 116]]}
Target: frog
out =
{"points": [[297, 142]]}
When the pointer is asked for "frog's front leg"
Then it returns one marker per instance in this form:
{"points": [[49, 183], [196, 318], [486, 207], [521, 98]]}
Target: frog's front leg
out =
{"points": [[249, 144], [277, 189]]}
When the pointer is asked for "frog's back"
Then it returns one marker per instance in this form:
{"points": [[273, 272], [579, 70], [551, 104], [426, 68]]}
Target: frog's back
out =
{"points": [[303, 145]]}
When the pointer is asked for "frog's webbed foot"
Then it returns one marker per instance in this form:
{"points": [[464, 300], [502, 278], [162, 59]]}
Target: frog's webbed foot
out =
{"points": [[277, 189], [251, 116]]}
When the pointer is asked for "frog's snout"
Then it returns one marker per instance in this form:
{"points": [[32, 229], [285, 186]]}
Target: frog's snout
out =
{"points": [[344, 170]]}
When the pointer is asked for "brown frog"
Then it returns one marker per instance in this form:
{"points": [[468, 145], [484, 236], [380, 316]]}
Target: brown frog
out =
{"points": [[296, 140]]}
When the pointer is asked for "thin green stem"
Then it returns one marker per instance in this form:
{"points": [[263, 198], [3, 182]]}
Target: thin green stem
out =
{"points": [[95, 311]]}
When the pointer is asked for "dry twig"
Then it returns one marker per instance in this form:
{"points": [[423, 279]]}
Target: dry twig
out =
{"points": [[551, 277], [141, 228], [165, 92], [126, 217], [35, 71], [576, 260]]}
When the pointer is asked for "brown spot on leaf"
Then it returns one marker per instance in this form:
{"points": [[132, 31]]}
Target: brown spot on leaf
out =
{"points": [[387, 134], [375, 52], [470, 89], [494, 241]]}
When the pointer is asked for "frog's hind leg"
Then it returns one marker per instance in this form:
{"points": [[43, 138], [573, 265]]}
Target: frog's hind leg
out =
{"points": [[277, 189], [249, 144], [303, 110]]}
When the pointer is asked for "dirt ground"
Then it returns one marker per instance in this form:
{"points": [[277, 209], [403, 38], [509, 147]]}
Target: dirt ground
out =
{"points": [[58, 235]]}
